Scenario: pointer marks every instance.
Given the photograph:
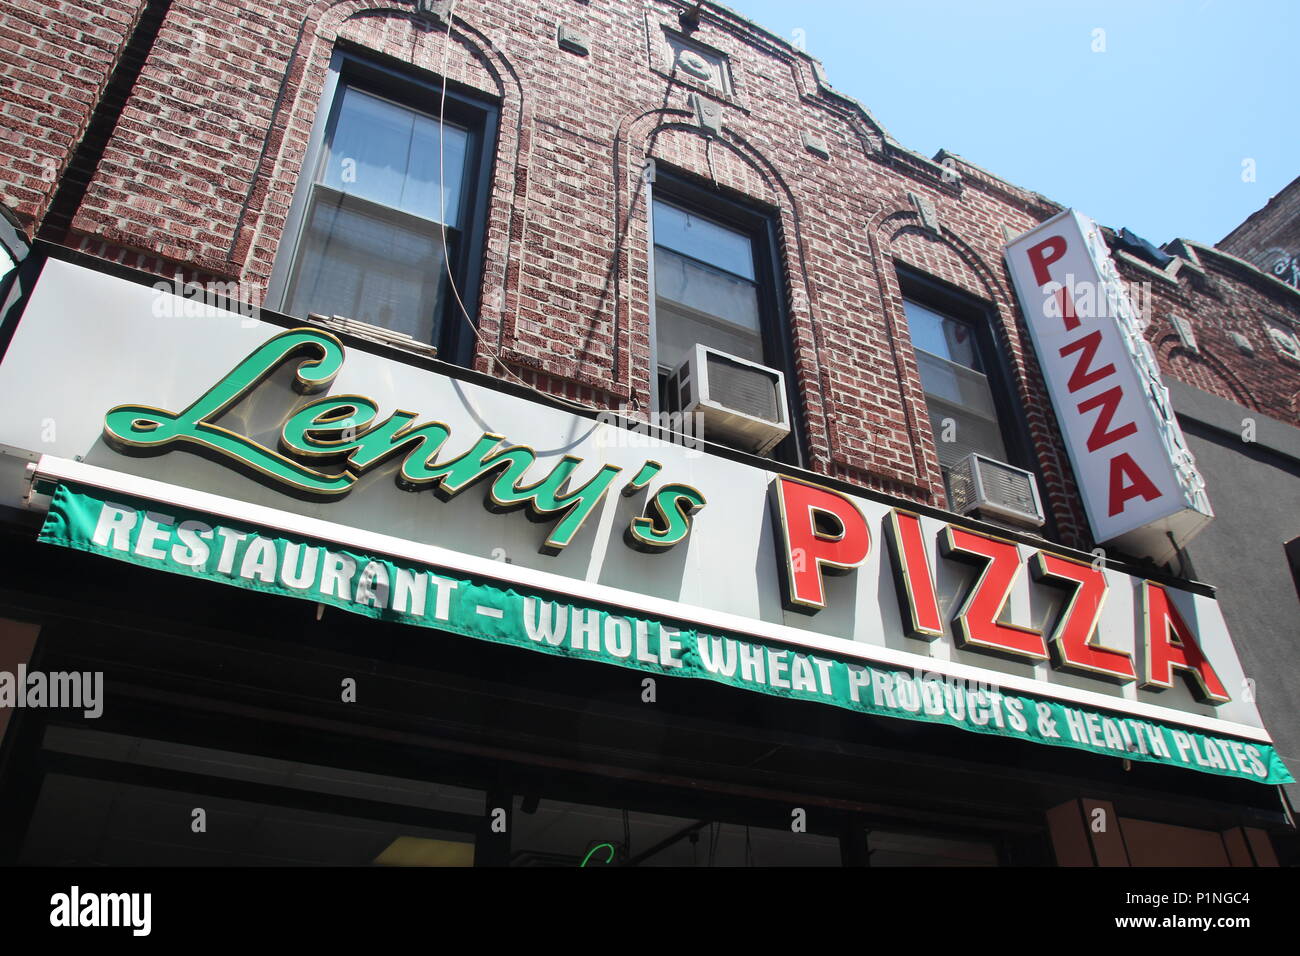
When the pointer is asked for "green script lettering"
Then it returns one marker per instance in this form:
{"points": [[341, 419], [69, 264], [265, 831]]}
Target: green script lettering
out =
{"points": [[342, 429]]}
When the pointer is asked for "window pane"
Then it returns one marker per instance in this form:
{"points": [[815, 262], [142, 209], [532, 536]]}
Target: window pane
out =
{"points": [[727, 299], [389, 154], [680, 330], [956, 384], [942, 336], [957, 433], [82, 821], [703, 239], [699, 305], [370, 267], [369, 150], [128, 818], [963, 396], [422, 195], [558, 833]]}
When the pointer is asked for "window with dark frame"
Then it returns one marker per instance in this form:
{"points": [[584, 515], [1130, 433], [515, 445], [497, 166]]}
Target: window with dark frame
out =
{"points": [[394, 207], [965, 378], [717, 284], [957, 391], [705, 287]]}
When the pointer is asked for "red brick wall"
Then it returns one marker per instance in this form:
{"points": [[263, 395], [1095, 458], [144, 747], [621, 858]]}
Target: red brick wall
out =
{"points": [[203, 163], [1275, 226], [1225, 297], [55, 59]]}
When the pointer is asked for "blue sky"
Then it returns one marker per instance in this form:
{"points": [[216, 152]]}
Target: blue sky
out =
{"points": [[1149, 133]]}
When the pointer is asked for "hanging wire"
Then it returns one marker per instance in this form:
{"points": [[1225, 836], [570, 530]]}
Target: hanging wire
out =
{"points": [[708, 156], [442, 229]]}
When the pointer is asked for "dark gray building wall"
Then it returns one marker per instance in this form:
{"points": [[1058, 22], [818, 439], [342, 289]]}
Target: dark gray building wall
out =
{"points": [[1254, 487]]}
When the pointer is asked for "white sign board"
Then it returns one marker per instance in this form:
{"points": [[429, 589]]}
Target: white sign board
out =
{"points": [[97, 372], [1137, 477]]}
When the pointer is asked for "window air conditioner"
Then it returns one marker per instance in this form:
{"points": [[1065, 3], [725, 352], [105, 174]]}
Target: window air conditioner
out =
{"points": [[995, 489], [739, 403]]}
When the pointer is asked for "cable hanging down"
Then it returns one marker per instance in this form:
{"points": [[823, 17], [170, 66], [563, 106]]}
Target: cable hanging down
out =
{"points": [[442, 229]]}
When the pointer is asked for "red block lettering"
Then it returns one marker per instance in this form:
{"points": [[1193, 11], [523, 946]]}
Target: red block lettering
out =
{"points": [[1043, 255], [1074, 639], [1171, 644], [1139, 485], [1102, 434], [912, 576], [977, 624], [836, 545], [1066, 303], [1084, 374]]}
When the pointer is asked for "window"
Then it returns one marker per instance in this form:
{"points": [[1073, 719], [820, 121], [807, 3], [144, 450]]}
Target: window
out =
{"points": [[715, 284], [705, 288], [384, 184], [274, 811], [957, 391], [966, 388]]}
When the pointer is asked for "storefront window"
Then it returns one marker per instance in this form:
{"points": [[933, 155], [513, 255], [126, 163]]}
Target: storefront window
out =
{"points": [[556, 833], [115, 800]]}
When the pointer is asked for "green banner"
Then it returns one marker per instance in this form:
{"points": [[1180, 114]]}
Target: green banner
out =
{"points": [[183, 542]]}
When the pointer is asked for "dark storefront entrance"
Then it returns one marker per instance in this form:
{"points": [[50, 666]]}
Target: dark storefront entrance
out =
{"points": [[237, 712]]}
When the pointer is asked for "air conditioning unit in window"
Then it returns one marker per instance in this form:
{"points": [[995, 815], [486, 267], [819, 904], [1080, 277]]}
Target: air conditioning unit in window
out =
{"points": [[996, 490], [740, 403]]}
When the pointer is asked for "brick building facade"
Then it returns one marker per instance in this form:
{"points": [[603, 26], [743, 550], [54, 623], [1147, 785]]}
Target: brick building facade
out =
{"points": [[243, 85], [172, 137], [1270, 237]]}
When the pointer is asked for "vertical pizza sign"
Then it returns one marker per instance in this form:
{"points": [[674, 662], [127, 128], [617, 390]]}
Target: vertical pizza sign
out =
{"points": [[1138, 479]]}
